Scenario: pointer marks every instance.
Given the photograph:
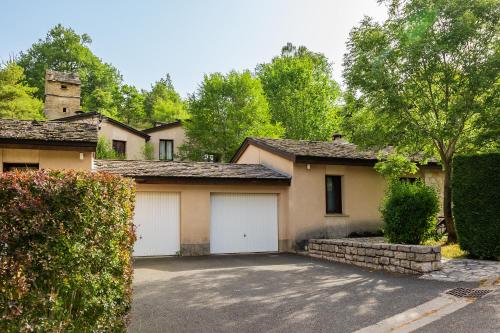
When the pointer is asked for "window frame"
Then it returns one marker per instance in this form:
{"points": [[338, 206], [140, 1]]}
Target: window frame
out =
{"points": [[338, 199], [166, 158], [6, 167], [124, 147]]}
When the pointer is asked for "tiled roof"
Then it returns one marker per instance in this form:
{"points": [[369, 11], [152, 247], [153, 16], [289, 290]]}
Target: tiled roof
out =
{"points": [[162, 126], [337, 151], [72, 78], [18, 131], [97, 116], [225, 172]]}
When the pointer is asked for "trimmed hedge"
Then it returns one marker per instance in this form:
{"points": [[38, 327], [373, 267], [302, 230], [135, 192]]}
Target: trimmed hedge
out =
{"points": [[410, 212], [476, 203], [66, 243]]}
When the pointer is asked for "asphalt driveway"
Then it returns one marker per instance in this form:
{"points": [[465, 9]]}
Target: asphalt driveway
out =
{"points": [[271, 292]]}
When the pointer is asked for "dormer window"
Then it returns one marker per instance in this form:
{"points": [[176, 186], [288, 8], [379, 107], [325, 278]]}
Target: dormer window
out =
{"points": [[64, 87]]}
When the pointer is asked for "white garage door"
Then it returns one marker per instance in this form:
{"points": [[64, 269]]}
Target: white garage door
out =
{"points": [[243, 222], [157, 224]]}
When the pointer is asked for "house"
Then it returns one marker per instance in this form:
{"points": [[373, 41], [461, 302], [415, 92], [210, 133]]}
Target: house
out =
{"points": [[46, 145], [166, 139], [62, 103], [125, 140]]}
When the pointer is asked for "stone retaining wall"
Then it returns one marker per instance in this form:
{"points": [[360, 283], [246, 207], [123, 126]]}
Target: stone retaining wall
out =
{"points": [[407, 259]]}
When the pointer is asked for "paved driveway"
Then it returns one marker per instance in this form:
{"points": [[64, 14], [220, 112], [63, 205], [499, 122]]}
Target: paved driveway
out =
{"points": [[260, 293]]}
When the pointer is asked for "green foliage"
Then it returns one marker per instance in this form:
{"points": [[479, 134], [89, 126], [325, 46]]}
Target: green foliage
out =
{"points": [[148, 151], [426, 80], [224, 111], [16, 98], [394, 166], [64, 50], [105, 151], [131, 106], [476, 203], [410, 212], [163, 103], [301, 93], [65, 251]]}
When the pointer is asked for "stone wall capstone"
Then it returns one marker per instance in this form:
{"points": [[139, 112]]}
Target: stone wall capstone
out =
{"points": [[406, 259]]}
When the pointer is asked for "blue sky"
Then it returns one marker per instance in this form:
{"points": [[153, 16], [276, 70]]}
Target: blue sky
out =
{"points": [[187, 38]]}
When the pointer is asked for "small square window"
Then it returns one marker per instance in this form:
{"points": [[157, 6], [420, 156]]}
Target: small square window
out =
{"points": [[64, 87], [65, 110], [120, 147]]}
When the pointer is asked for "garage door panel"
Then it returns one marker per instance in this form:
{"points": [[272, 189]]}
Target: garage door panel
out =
{"points": [[242, 222], [157, 223]]}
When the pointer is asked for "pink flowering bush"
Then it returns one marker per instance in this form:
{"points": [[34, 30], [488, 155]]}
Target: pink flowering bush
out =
{"points": [[66, 241]]}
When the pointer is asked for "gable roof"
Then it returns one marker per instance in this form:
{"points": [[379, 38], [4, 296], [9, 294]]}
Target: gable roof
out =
{"points": [[47, 135], [325, 152], [192, 172], [163, 126], [94, 114]]}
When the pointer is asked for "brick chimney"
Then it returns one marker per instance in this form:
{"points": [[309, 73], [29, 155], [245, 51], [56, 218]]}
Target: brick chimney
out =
{"points": [[62, 94]]}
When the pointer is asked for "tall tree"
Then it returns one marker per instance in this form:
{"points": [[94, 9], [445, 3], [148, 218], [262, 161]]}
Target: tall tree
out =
{"points": [[224, 111], [426, 80], [301, 92], [163, 103], [131, 106], [16, 98], [64, 50]]}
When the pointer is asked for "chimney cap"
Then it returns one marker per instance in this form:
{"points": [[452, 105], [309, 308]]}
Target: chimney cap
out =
{"points": [[71, 78]]}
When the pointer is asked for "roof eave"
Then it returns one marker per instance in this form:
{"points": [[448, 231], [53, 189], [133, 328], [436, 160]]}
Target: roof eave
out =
{"points": [[258, 144], [208, 180], [48, 145]]}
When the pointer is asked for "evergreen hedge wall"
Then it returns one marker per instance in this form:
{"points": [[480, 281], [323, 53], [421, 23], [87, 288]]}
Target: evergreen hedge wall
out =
{"points": [[476, 203], [65, 251]]}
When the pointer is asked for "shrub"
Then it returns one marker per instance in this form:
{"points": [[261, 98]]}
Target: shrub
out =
{"points": [[65, 251], [476, 203], [410, 212], [148, 151], [105, 151]]}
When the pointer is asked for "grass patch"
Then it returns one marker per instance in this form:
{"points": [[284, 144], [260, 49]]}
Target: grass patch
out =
{"points": [[450, 251]]}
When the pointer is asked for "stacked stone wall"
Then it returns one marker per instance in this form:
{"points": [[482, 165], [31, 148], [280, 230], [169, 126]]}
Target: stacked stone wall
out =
{"points": [[406, 259]]}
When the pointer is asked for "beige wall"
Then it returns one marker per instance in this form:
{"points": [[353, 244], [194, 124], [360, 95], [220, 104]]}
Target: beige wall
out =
{"points": [[177, 133], [195, 210], [135, 143], [362, 193], [48, 159]]}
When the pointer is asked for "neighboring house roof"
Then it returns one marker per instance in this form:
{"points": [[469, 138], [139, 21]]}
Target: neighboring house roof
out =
{"points": [[71, 78], [47, 135], [163, 126], [193, 172], [94, 114], [303, 151]]}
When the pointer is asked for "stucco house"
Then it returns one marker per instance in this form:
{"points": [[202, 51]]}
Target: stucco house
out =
{"points": [[275, 194], [166, 139], [46, 145]]}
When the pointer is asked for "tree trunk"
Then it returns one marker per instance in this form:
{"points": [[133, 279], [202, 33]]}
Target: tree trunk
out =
{"points": [[448, 216]]}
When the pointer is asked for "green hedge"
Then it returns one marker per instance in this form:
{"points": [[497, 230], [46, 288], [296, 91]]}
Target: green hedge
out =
{"points": [[65, 251], [476, 203], [409, 212]]}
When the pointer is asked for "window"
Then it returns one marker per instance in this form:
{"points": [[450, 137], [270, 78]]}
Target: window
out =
{"points": [[64, 87], [167, 150], [19, 166], [65, 109], [333, 194], [119, 147]]}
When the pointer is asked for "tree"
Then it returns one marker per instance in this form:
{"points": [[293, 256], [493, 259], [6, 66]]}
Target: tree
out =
{"points": [[131, 107], [426, 80], [301, 92], [224, 111], [16, 98], [64, 50], [163, 103]]}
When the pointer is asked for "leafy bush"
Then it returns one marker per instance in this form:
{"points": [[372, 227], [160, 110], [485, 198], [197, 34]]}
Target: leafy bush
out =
{"points": [[476, 203], [148, 151], [105, 151], [65, 251], [410, 212]]}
